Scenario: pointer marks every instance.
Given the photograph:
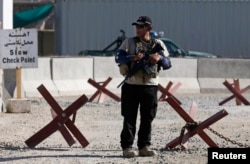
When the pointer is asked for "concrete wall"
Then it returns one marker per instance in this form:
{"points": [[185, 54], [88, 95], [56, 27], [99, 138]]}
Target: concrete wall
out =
{"points": [[105, 67], [220, 27], [34, 77], [68, 76], [46, 42], [212, 72], [184, 71]]}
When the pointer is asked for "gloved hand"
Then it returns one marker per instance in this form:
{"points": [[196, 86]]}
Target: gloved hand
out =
{"points": [[154, 58]]}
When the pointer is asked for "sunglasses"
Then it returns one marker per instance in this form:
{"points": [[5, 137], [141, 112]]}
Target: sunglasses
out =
{"points": [[140, 26]]}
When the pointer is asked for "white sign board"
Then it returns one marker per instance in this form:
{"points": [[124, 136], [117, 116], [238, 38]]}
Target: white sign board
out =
{"points": [[18, 48]]}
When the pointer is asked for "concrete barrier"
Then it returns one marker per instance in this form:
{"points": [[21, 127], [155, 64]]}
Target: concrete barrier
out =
{"points": [[184, 70], [1, 90], [105, 67], [34, 77], [70, 75], [213, 72]]}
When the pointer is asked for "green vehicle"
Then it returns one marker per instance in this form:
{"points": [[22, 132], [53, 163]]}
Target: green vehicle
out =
{"points": [[174, 49]]}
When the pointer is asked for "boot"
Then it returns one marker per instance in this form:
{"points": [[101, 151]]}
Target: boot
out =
{"points": [[147, 152], [129, 153]]}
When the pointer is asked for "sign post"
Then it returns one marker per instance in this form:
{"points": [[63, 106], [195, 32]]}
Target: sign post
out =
{"points": [[19, 82]]}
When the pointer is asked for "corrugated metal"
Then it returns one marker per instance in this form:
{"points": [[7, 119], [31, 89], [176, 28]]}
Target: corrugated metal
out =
{"points": [[216, 26]]}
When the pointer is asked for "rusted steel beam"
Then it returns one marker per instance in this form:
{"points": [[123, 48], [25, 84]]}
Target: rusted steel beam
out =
{"points": [[104, 90], [175, 87], [236, 93], [58, 122], [199, 129], [168, 91], [99, 92], [56, 109], [233, 96], [75, 105], [188, 118], [236, 85], [64, 131], [192, 113], [164, 91]]}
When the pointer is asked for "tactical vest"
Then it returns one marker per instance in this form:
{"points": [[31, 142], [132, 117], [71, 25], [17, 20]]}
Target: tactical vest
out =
{"points": [[143, 49], [140, 47]]}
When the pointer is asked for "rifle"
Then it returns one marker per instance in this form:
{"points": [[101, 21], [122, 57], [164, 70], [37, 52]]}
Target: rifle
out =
{"points": [[143, 63]]}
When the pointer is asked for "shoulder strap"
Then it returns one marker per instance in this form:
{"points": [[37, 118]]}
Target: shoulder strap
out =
{"points": [[152, 44], [139, 44]]}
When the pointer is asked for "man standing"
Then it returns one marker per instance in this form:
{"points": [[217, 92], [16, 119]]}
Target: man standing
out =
{"points": [[140, 90]]}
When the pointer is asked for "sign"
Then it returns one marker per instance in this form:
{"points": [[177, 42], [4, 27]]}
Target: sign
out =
{"points": [[18, 48]]}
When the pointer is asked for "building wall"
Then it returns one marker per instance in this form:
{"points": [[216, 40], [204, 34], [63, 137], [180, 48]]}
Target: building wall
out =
{"points": [[216, 26], [46, 43]]}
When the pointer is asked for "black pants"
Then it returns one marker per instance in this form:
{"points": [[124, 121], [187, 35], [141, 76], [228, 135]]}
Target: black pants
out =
{"points": [[136, 97]]}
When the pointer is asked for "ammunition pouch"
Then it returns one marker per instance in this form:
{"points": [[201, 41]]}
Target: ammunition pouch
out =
{"points": [[123, 68], [151, 70]]}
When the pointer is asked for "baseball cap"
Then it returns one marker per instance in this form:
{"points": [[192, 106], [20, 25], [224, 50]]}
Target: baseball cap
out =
{"points": [[143, 20]]}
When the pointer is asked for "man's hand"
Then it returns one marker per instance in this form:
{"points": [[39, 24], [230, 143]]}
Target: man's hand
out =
{"points": [[138, 56], [154, 58]]}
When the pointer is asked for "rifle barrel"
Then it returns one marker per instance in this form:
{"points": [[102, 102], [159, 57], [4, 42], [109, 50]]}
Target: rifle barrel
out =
{"points": [[121, 83]]}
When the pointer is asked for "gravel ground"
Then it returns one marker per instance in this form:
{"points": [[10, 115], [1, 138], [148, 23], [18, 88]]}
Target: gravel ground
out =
{"points": [[101, 124]]}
